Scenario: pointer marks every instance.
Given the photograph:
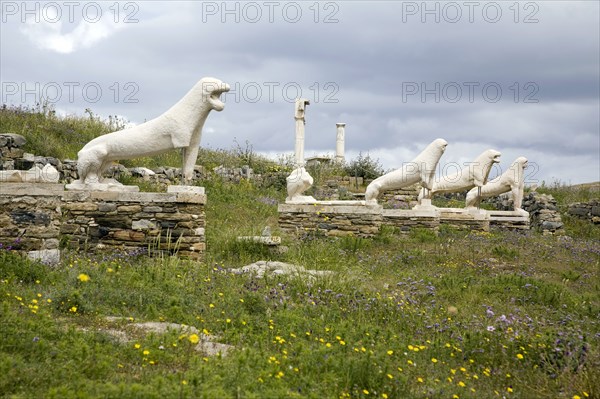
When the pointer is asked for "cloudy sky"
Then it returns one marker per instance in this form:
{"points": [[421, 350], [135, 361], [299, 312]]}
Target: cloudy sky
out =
{"points": [[519, 77]]}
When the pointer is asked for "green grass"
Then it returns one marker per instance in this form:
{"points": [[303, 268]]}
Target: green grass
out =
{"points": [[51, 135], [468, 315], [408, 317]]}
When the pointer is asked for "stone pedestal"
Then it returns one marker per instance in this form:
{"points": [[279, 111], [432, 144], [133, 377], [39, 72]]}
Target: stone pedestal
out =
{"points": [[425, 205], [30, 216], [509, 220], [465, 218], [409, 219], [42, 215], [331, 218], [111, 186]]}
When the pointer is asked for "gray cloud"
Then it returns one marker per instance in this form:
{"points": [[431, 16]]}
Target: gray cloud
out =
{"points": [[362, 70]]}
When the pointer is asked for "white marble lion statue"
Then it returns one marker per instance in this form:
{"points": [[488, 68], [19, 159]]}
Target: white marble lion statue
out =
{"points": [[179, 127], [513, 180], [297, 182], [421, 169], [475, 175]]}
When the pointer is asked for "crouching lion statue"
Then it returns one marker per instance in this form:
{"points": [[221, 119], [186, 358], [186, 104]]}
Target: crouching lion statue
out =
{"points": [[179, 127], [463, 180], [512, 180], [421, 169]]}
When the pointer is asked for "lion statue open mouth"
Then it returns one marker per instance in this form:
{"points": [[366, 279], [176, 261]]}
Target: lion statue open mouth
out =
{"points": [[179, 127], [475, 175], [513, 181]]}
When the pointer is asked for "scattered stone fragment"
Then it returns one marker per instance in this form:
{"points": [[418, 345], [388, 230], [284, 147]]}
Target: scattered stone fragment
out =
{"points": [[279, 268], [206, 345]]}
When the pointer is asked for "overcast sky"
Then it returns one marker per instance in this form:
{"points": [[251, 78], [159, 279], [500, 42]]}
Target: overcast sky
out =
{"points": [[519, 77]]}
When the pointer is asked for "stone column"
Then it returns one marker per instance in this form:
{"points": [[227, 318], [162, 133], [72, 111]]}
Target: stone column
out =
{"points": [[301, 104], [339, 142]]}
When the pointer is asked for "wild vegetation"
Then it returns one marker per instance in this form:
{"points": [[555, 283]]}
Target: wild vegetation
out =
{"points": [[455, 315]]}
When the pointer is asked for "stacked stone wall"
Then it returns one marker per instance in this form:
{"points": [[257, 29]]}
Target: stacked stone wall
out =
{"points": [[40, 216], [330, 220], [586, 210]]}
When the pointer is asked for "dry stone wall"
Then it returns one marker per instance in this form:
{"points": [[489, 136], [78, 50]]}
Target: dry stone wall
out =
{"points": [[543, 210], [586, 210], [330, 220], [406, 220], [39, 216], [30, 218]]}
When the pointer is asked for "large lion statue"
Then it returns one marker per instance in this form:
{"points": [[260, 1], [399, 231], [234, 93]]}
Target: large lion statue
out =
{"points": [[421, 169], [474, 176], [179, 127], [512, 180]]}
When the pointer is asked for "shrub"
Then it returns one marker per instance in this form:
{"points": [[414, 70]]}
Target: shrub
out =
{"points": [[364, 166]]}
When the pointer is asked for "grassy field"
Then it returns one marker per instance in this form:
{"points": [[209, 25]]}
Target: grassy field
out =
{"points": [[458, 315], [468, 315]]}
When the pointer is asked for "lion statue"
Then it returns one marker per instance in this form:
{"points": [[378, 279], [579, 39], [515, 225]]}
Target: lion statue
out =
{"points": [[179, 127], [463, 180], [297, 182], [421, 169], [512, 180]]}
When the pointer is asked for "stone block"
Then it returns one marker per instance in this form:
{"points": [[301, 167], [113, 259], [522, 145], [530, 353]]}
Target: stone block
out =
{"points": [[340, 233], [14, 140], [81, 206], [179, 217], [152, 209], [198, 247], [67, 228], [5, 220], [199, 231], [51, 243], [28, 217], [129, 208], [98, 231], [31, 189], [23, 163], [186, 190], [45, 256], [129, 235], [114, 221], [107, 207], [13, 153], [143, 224]]}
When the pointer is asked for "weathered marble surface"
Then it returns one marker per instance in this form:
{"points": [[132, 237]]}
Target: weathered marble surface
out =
{"points": [[419, 170], [179, 127]]}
